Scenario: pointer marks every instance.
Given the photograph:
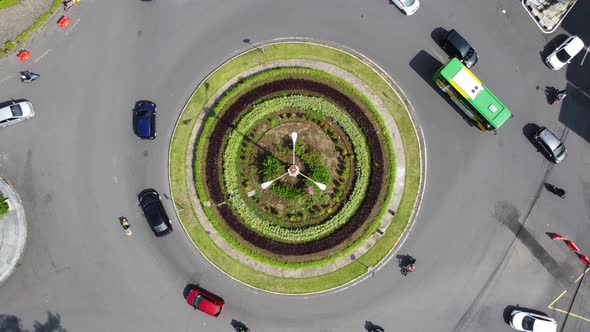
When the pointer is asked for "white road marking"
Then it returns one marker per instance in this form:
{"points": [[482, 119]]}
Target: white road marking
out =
{"points": [[585, 54], [4, 79], [580, 90], [42, 55], [73, 26]]}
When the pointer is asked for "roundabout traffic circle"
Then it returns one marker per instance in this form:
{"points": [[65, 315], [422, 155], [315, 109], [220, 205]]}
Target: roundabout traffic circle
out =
{"points": [[295, 167]]}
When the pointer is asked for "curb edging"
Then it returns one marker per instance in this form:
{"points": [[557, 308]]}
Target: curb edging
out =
{"points": [[20, 228], [409, 110]]}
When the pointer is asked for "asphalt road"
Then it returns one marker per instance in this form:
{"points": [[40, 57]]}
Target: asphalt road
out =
{"points": [[78, 166]]}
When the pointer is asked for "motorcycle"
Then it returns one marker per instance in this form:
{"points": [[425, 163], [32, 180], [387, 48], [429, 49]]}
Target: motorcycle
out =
{"points": [[68, 4], [27, 76], [556, 190], [410, 267], [377, 329], [126, 225], [559, 95]]}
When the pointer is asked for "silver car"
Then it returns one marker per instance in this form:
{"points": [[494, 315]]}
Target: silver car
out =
{"points": [[16, 112], [551, 145]]}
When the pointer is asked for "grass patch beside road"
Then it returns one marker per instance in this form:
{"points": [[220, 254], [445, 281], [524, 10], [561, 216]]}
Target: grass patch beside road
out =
{"points": [[179, 159], [41, 19], [3, 206], [8, 3]]}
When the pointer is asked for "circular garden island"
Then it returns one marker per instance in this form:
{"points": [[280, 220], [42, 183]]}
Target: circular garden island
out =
{"points": [[284, 172]]}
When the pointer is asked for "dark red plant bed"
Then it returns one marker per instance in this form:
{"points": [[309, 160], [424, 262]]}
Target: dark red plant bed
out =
{"points": [[368, 208]]}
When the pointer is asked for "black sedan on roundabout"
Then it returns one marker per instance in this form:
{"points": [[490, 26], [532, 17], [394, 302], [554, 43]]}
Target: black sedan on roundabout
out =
{"points": [[154, 212]]}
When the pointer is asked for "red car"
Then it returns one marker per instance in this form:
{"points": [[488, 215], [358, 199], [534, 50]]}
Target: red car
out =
{"points": [[205, 301]]}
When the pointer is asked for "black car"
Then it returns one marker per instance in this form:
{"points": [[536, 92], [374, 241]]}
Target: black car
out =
{"points": [[456, 46], [154, 212], [144, 119]]}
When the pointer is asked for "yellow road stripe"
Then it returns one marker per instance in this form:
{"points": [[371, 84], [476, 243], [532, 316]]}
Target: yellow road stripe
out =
{"points": [[550, 306], [572, 314], [581, 275], [557, 299]]}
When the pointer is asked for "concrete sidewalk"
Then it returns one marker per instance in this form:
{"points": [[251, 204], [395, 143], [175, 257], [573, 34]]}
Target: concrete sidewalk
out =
{"points": [[13, 232], [548, 14], [17, 18]]}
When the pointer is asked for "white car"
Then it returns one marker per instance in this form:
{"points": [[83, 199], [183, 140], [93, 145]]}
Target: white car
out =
{"points": [[564, 53], [528, 321], [408, 7], [16, 112]]}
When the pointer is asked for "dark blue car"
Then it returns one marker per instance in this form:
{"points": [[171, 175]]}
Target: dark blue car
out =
{"points": [[144, 119]]}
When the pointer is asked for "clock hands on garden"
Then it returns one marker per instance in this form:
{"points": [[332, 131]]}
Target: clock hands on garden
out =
{"points": [[293, 170]]}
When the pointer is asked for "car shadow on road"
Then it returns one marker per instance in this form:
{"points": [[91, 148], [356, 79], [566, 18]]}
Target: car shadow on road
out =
{"points": [[403, 260], [238, 325], [552, 45], [507, 214], [438, 35], [369, 326], [528, 131], [188, 288]]}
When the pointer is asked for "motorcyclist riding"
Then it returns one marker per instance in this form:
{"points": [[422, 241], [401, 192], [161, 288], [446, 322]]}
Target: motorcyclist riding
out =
{"points": [[410, 267], [27, 76], [126, 225], [559, 95], [376, 329]]}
